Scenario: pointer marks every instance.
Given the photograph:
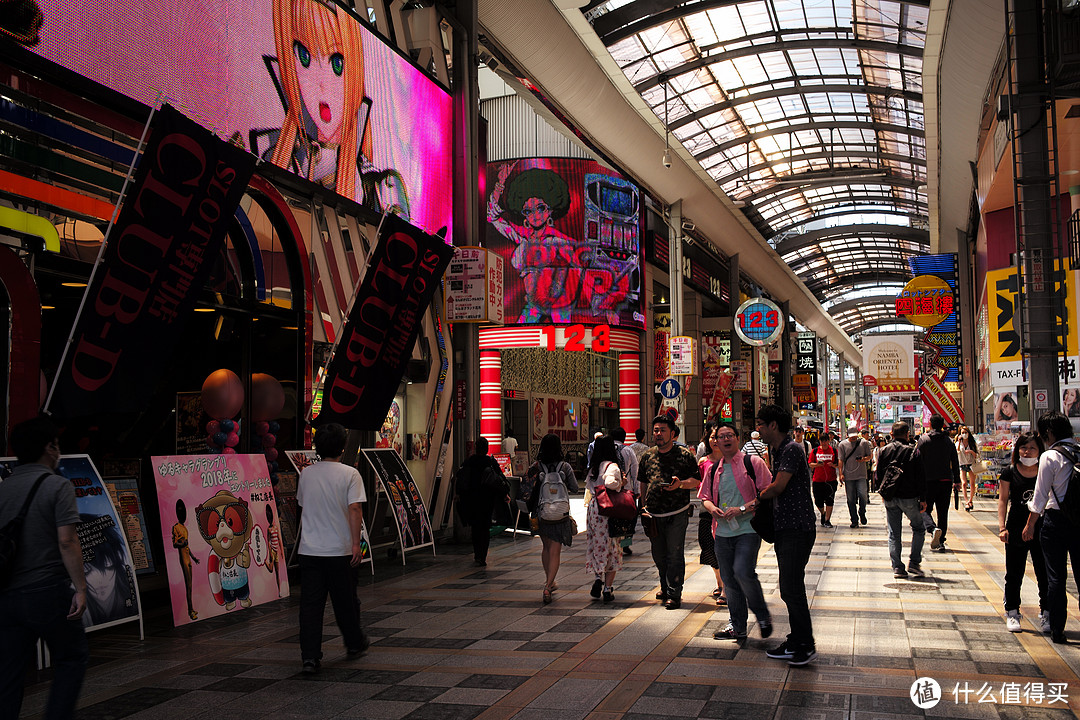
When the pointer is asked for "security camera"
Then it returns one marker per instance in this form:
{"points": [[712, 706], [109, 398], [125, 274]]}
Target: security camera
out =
{"points": [[667, 158]]}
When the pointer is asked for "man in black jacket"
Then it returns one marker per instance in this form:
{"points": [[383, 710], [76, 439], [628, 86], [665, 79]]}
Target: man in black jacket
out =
{"points": [[905, 497], [942, 469], [480, 484]]}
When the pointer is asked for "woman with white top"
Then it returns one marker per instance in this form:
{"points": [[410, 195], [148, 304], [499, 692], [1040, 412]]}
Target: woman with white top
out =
{"points": [[967, 451], [603, 556]]}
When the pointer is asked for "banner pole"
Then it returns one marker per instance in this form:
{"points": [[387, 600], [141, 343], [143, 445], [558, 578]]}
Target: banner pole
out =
{"points": [[101, 250], [348, 310]]}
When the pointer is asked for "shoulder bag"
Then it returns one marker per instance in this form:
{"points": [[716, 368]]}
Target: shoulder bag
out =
{"points": [[11, 534], [764, 520]]}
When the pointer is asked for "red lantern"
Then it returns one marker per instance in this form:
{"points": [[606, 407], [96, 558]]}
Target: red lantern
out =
{"points": [[222, 394], [267, 397]]}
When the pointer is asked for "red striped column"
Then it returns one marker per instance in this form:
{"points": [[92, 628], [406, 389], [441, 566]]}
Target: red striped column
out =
{"points": [[630, 391], [491, 398]]}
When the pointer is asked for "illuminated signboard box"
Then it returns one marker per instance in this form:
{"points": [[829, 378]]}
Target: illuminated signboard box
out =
{"points": [[351, 114], [474, 282]]}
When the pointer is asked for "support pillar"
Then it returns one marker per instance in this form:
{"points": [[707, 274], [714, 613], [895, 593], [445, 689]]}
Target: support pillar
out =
{"points": [[629, 392], [491, 397]]}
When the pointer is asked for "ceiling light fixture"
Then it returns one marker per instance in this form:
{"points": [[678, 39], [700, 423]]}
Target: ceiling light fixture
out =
{"points": [[667, 145], [830, 178]]}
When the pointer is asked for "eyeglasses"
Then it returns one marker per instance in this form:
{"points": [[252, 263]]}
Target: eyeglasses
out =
{"points": [[724, 436], [235, 516]]}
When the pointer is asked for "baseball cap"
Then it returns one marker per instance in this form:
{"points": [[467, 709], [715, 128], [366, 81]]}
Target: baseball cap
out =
{"points": [[852, 429], [755, 435]]}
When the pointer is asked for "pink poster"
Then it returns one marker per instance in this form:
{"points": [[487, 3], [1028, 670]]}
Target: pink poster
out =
{"points": [[222, 538]]}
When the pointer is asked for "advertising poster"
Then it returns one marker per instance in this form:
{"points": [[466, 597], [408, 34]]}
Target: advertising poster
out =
{"points": [[564, 416], [190, 425], [715, 355], [410, 515], [890, 359], [300, 84], [569, 233], [125, 494], [661, 335], [1006, 409], [741, 370], [112, 595], [219, 518]]}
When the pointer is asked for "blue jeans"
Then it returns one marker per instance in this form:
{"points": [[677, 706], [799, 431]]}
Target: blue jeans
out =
{"points": [[895, 510], [792, 553], [857, 494], [26, 615], [319, 577], [1060, 543], [737, 560], [667, 553]]}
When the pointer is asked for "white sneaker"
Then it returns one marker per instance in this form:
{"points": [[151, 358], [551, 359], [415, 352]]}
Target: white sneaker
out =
{"points": [[1012, 620], [936, 542], [1044, 622]]}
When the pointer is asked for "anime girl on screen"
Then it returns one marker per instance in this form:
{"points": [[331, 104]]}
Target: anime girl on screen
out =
{"points": [[326, 137]]}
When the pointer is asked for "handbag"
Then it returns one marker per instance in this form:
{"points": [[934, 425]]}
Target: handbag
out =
{"points": [[615, 503], [648, 525], [978, 467], [764, 520]]}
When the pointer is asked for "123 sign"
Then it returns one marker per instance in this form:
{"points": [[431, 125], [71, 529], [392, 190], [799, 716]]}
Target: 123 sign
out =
{"points": [[573, 337], [759, 322]]}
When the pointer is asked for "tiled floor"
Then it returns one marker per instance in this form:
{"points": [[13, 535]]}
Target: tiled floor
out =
{"points": [[452, 641]]}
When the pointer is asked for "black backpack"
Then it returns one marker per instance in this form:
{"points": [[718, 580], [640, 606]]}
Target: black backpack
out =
{"points": [[11, 534], [1070, 504], [894, 473]]}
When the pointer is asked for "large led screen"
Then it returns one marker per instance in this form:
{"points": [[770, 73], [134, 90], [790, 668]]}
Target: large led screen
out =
{"points": [[569, 232], [300, 83]]}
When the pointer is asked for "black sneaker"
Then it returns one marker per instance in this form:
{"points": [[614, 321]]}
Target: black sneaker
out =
{"points": [[311, 667], [827, 524], [365, 643], [781, 653], [1059, 638], [803, 656], [628, 550], [862, 519], [854, 524], [765, 626], [609, 594], [728, 632], [916, 570], [597, 588]]}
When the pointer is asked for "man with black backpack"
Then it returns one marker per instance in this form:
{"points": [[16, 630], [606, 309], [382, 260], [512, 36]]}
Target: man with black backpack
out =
{"points": [[479, 485], [941, 467], [901, 485], [1060, 534]]}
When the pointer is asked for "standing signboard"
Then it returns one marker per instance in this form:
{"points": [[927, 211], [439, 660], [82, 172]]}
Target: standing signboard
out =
{"points": [[397, 484], [217, 511], [112, 596], [125, 494]]}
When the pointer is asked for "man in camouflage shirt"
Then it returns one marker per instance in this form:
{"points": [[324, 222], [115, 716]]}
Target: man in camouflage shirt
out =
{"points": [[668, 474]]}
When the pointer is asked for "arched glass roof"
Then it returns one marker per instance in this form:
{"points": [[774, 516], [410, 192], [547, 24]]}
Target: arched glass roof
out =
{"points": [[802, 110]]}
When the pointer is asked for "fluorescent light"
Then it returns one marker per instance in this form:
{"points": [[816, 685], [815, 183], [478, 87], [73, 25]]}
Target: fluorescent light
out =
{"points": [[820, 179]]}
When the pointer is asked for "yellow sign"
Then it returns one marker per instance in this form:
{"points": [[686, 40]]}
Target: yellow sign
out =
{"points": [[925, 301]]}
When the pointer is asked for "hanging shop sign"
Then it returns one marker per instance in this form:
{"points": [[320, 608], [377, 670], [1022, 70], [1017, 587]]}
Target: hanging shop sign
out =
{"points": [[720, 397], [1003, 336], [943, 337], [762, 361], [682, 354], [661, 335], [474, 286], [382, 326], [940, 400], [383, 138], [577, 338], [759, 322], [157, 258], [569, 231], [715, 356], [741, 369], [219, 507], [925, 301], [890, 359]]}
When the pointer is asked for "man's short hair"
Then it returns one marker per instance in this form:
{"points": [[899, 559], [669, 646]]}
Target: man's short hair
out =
{"points": [[1057, 423], [618, 433], [775, 413], [937, 422], [665, 419], [30, 438], [640, 434], [900, 429], [330, 440], [482, 446]]}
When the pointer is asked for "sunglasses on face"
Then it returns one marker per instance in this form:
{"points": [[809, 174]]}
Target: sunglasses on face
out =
{"points": [[234, 515]]}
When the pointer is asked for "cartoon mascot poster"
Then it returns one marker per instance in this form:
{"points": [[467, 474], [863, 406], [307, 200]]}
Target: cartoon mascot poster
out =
{"points": [[219, 513]]}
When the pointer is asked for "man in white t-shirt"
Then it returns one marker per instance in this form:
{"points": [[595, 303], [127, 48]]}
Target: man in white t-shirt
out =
{"points": [[331, 497], [509, 443]]}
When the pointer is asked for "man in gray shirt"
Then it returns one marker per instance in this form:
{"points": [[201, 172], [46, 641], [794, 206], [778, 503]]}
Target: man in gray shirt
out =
{"points": [[854, 454], [39, 599]]}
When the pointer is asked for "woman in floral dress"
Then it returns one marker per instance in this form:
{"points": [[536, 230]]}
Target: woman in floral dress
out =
{"points": [[603, 556]]}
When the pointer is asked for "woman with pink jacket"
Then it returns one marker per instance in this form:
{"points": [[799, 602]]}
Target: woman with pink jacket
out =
{"points": [[729, 493]]}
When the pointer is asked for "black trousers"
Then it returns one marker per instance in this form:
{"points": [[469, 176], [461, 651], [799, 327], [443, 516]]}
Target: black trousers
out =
{"points": [[322, 576], [480, 521], [938, 496]]}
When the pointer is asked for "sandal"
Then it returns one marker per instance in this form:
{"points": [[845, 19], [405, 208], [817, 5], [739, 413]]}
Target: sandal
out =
{"points": [[721, 601], [969, 507], [547, 596]]}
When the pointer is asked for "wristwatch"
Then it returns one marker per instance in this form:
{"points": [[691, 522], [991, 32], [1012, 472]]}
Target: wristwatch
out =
{"points": [[742, 508]]}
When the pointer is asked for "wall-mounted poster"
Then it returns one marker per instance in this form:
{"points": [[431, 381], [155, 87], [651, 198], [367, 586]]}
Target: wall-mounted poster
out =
{"points": [[567, 417], [112, 596], [190, 424], [300, 83], [218, 514], [410, 515], [125, 494], [569, 232]]}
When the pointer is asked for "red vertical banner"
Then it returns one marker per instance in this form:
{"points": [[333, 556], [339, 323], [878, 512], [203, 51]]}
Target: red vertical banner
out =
{"points": [[629, 391], [491, 396]]}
